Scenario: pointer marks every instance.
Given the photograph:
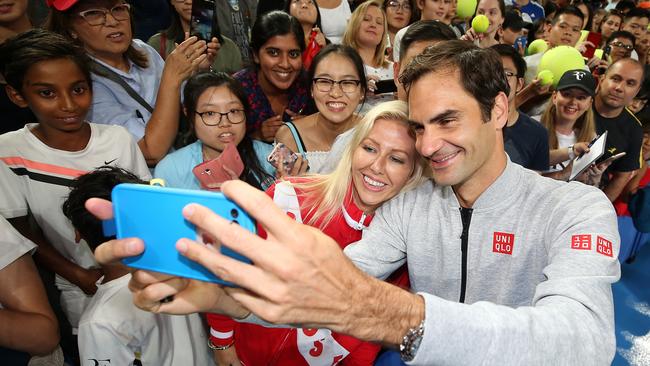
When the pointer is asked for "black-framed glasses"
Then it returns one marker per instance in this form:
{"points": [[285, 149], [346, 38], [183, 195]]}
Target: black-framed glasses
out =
{"points": [[406, 6], [347, 86], [510, 74], [308, 2], [212, 118], [98, 16], [628, 47]]}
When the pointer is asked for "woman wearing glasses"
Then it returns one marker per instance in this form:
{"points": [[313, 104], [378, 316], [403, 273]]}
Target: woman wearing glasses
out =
{"points": [[337, 89], [132, 85], [399, 14], [215, 107]]}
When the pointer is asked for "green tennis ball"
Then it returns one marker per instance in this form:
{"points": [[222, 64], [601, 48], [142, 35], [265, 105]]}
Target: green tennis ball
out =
{"points": [[480, 24], [545, 76], [537, 46], [561, 59], [465, 8]]}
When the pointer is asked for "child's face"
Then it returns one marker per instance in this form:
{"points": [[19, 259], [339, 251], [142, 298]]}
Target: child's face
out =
{"points": [[58, 94]]}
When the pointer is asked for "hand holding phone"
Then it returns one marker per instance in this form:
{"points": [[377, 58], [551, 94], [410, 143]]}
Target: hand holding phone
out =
{"points": [[203, 23], [216, 171], [385, 86], [282, 158], [154, 214]]}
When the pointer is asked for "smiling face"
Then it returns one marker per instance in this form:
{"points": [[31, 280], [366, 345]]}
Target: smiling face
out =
{"points": [[621, 48], [58, 94], [304, 10], [565, 31], [103, 41], [371, 28], [382, 163], [611, 25], [280, 62], [335, 105], [462, 149], [490, 8], [398, 14], [570, 104], [434, 9], [218, 99]]}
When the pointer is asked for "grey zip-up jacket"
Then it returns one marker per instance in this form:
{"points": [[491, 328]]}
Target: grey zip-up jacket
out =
{"points": [[534, 269]]}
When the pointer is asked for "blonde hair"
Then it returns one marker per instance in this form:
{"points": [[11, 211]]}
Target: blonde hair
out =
{"points": [[584, 126], [351, 31], [325, 194]]}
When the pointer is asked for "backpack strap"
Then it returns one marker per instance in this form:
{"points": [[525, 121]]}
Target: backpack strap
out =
{"points": [[104, 71]]}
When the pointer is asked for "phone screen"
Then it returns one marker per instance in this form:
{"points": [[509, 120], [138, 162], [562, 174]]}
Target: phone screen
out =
{"points": [[204, 23]]}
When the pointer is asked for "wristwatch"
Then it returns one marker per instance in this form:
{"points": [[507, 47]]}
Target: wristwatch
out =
{"points": [[411, 342]]}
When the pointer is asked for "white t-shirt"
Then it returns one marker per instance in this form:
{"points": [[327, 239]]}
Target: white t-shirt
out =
{"points": [[36, 178], [334, 21], [113, 328], [12, 244], [382, 73]]}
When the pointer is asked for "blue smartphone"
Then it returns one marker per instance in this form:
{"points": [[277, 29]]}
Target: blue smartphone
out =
{"points": [[521, 42], [154, 214]]}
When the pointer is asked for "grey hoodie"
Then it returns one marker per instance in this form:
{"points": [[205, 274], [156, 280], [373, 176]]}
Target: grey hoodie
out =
{"points": [[541, 256]]}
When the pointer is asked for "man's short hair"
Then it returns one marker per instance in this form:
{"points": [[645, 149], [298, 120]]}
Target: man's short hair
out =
{"points": [[480, 70], [636, 13], [572, 10], [97, 184], [508, 51], [621, 34], [425, 30]]}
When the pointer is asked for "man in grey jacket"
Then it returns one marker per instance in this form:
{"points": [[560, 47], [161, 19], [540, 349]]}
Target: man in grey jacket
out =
{"points": [[508, 267]]}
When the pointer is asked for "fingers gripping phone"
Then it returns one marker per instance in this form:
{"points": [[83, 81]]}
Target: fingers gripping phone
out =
{"points": [[281, 157], [211, 173], [595, 39], [154, 214], [203, 23]]}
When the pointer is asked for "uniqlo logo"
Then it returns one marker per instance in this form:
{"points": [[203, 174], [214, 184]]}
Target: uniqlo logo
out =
{"points": [[503, 243], [582, 242], [604, 246]]}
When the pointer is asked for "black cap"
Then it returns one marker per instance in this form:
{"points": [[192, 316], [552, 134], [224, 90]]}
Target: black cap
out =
{"points": [[577, 79], [512, 20]]}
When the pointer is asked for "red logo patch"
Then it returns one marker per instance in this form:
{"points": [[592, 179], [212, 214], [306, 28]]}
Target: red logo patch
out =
{"points": [[503, 243], [582, 242], [604, 246]]}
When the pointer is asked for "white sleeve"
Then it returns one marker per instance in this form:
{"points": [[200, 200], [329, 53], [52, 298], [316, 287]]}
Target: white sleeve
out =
{"points": [[12, 196], [137, 163], [100, 342]]}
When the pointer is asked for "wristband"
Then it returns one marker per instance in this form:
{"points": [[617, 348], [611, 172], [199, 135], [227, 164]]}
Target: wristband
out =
{"points": [[219, 348], [411, 342], [572, 153]]}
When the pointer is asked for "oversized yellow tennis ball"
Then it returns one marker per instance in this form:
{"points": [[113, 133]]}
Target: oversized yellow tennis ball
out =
{"points": [[559, 60], [480, 23], [537, 46], [545, 76], [465, 8]]}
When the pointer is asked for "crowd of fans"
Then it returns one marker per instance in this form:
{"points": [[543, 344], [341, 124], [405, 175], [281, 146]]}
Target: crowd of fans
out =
{"points": [[88, 106]]}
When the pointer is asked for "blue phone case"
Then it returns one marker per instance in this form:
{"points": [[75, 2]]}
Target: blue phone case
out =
{"points": [[154, 214]]}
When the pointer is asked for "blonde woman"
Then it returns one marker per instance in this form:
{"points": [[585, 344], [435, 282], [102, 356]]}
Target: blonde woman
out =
{"points": [[366, 33], [569, 120], [380, 162]]}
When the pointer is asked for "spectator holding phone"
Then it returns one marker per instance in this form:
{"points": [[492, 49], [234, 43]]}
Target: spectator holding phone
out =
{"points": [[275, 85], [133, 86], [512, 30], [621, 44], [51, 75], [228, 59], [366, 33], [337, 88], [307, 13], [399, 14], [215, 107], [569, 120], [380, 162]]}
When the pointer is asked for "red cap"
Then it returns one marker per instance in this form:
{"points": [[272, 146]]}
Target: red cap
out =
{"points": [[61, 5]]}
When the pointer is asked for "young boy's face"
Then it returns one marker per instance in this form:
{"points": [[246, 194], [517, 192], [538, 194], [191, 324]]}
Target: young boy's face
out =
{"points": [[58, 94], [509, 36]]}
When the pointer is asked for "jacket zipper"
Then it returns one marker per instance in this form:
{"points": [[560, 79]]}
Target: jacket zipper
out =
{"points": [[465, 217]]}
